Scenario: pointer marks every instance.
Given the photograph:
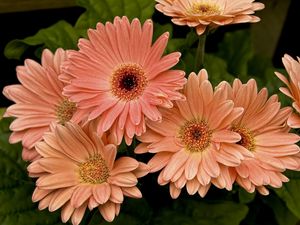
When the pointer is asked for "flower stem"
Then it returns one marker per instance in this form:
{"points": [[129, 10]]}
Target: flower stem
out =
{"points": [[199, 61]]}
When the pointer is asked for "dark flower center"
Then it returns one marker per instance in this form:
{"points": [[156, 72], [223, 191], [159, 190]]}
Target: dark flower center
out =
{"points": [[128, 81], [195, 135], [247, 138]]}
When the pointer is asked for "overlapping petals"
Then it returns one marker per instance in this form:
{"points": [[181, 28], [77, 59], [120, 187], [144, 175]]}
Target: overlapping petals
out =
{"points": [[292, 90], [209, 13], [120, 77], [193, 144], [38, 101], [265, 134], [77, 170]]}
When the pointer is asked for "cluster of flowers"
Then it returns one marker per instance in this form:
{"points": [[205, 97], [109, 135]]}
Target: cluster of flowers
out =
{"points": [[74, 109]]}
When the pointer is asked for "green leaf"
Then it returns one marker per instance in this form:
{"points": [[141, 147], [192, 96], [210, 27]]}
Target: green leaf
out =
{"points": [[203, 213], [160, 29], [282, 214], [290, 194], [16, 188], [2, 111], [237, 49], [106, 10], [217, 69], [245, 197], [61, 34]]}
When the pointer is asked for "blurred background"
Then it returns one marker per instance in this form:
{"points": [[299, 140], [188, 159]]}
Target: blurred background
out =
{"points": [[275, 35]]}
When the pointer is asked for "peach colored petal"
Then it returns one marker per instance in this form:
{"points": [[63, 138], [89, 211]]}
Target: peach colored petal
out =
{"points": [[60, 197], [108, 211], [226, 136], [106, 55], [58, 180], [174, 191], [78, 214], [176, 161], [275, 138], [189, 142], [44, 203], [132, 192], [123, 179], [116, 194], [101, 192], [39, 194], [192, 186], [67, 212], [294, 121], [192, 165], [203, 190], [123, 165], [92, 203], [142, 170], [80, 195], [159, 161]]}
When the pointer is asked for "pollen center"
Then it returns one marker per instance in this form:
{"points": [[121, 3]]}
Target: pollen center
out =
{"points": [[205, 9], [128, 81], [65, 111], [94, 171], [247, 139], [195, 135]]}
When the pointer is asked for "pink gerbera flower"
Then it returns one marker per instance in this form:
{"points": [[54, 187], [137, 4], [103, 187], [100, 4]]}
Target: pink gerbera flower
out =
{"points": [[121, 78], [264, 133], [193, 144], [78, 170], [293, 91], [38, 101], [209, 13]]}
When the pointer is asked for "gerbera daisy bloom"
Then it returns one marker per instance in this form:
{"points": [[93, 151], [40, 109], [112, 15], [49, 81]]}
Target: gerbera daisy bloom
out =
{"points": [[293, 91], [78, 170], [209, 13], [193, 144], [264, 133], [120, 77], [38, 101]]}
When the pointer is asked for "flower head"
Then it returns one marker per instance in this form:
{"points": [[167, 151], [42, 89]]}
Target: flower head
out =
{"points": [[209, 13], [78, 170], [264, 133], [38, 101], [120, 77], [292, 67], [193, 144]]}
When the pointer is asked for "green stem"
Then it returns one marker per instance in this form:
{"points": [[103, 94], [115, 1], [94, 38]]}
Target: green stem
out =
{"points": [[199, 61]]}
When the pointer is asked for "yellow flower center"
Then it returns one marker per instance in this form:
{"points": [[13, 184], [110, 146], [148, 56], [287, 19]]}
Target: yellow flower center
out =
{"points": [[205, 9], [195, 135], [65, 111], [94, 171], [128, 81], [247, 137]]}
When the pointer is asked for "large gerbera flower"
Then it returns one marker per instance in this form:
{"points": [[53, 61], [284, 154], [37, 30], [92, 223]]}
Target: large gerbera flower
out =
{"points": [[38, 101], [293, 91], [264, 133], [213, 13], [193, 143], [119, 76], [78, 170]]}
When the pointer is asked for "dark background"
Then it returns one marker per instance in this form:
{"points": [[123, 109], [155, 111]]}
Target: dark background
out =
{"points": [[24, 24]]}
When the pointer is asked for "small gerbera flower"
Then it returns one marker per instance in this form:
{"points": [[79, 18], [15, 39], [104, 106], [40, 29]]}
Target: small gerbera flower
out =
{"points": [[78, 170], [193, 144], [264, 133], [293, 91], [121, 78], [209, 13], [38, 101]]}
